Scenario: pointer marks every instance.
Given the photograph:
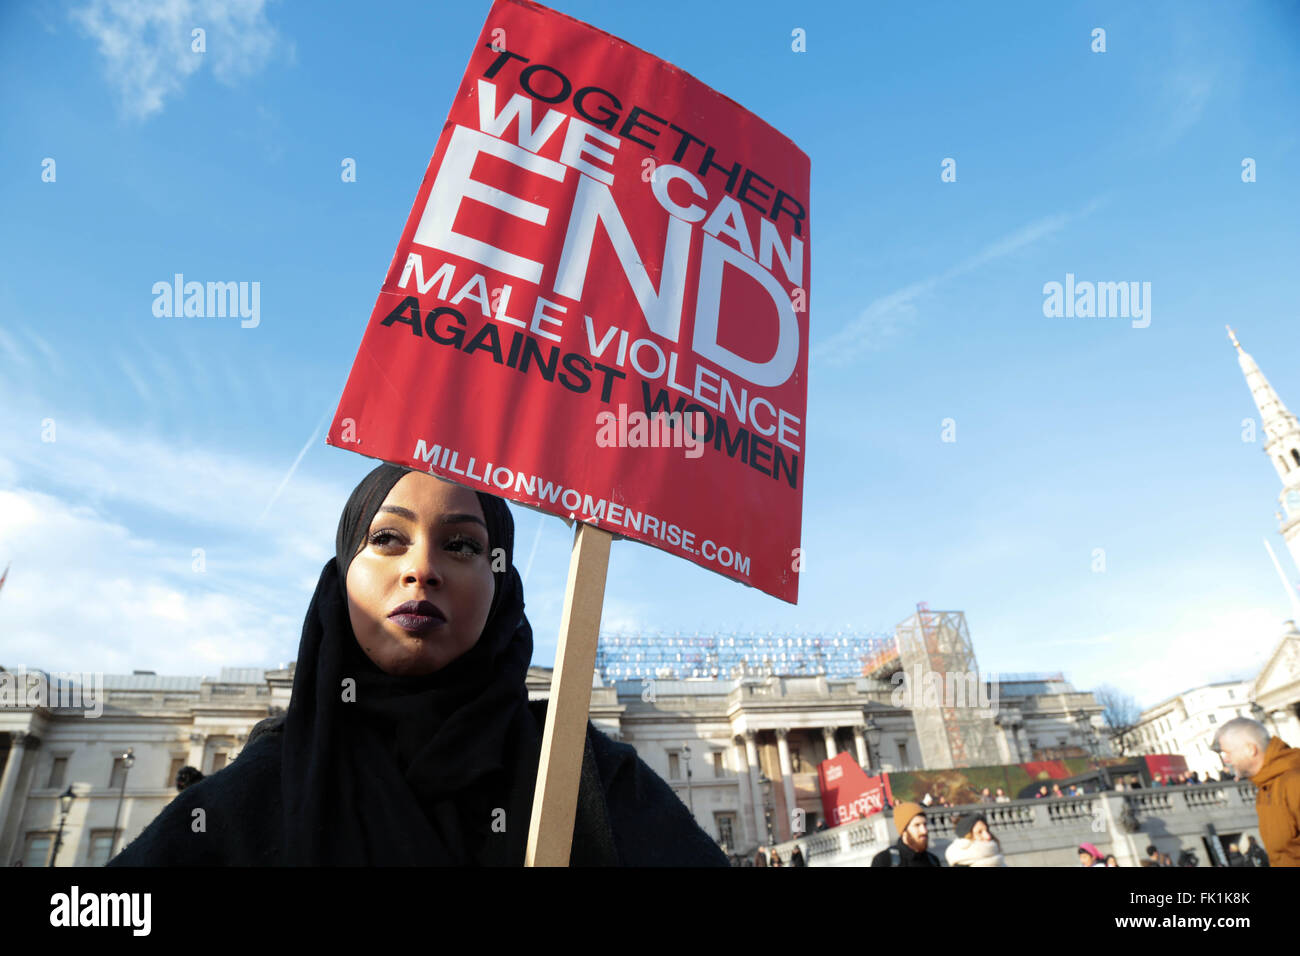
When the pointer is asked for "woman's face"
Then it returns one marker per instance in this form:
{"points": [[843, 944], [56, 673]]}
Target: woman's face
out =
{"points": [[980, 831], [426, 556]]}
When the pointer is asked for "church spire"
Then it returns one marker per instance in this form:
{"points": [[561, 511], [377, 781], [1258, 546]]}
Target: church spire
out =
{"points": [[1281, 430], [1281, 444]]}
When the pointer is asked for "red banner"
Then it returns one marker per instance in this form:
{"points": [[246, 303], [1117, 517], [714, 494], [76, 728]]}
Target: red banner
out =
{"points": [[848, 794], [1166, 765], [1046, 769], [600, 237]]}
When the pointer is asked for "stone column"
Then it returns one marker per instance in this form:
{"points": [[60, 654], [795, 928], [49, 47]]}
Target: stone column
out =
{"points": [[828, 735], [751, 760], [747, 798], [11, 809], [1022, 744], [1291, 733], [860, 745], [787, 781], [1121, 842], [1280, 722], [1004, 744], [198, 744]]}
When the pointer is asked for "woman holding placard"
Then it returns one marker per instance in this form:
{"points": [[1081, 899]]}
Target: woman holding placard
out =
{"points": [[409, 738]]}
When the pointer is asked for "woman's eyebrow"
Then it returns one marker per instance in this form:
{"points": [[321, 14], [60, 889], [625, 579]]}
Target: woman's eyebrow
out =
{"points": [[458, 518], [410, 515]]}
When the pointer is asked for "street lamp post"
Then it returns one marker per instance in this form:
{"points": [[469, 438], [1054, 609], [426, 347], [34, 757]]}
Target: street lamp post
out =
{"points": [[65, 804], [690, 796], [1089, 734], [1262, 717], [765, 785], [128, 761], [873, 742]]}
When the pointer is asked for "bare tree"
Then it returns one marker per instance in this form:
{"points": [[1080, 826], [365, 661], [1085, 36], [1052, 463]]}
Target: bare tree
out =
{"points": [[1120, 713]]}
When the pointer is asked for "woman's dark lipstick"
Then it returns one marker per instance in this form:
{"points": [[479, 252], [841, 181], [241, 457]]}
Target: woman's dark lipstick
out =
{"points": [[415, 617]]}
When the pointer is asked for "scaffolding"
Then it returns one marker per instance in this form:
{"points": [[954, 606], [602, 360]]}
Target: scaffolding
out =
{"points": [[723, 655], [941, 673], [884, 663]]}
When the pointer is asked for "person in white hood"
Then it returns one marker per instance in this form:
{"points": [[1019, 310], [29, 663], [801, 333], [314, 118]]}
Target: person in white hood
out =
{"points": [[974, 845]]}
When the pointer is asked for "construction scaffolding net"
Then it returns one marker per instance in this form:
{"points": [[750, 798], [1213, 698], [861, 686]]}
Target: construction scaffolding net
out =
{"points": [[951, 713], [723, 655]]}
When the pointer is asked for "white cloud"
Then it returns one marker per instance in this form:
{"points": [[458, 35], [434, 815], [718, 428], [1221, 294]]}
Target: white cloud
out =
{"points": [[147, 44], [84, 593], [885, 314], [52, 360], [1186, 93], [11, 348], [135, 378], [199, 487], [101, 527], [288, 475], [1078, 642], [1201, 646]]}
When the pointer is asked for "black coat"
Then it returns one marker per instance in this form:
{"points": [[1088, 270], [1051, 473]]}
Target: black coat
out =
{"points": [[627, 815], [1256, 856], [907, 856]]}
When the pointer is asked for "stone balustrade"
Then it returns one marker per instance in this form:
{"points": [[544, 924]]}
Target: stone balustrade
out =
{"points": [[1048, 831]]}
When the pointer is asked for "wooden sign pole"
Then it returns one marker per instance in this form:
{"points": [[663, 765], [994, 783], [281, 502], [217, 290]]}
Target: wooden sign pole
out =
{"points": [[555, 800]]}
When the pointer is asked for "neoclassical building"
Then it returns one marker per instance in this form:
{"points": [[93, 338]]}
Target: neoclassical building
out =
{"points": [[1276, 689], [741, 753], [164, 722], [1186, 723]]}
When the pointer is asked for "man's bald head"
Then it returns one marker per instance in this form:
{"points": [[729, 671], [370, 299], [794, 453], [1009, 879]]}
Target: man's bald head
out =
{"points": [[1241, 743]]}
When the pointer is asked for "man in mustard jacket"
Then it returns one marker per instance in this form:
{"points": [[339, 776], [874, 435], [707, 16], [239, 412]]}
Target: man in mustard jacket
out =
{"points": [[1274, 768]]}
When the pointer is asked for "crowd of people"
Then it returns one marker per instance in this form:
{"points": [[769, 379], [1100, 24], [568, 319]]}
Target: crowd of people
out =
{"points": [[1248, 752], [765, 857], [1184, 779], [1119, 784], [974, 844]]}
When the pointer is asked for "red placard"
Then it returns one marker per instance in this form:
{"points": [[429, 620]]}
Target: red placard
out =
{"points": [[848, 794], [600, 237]]}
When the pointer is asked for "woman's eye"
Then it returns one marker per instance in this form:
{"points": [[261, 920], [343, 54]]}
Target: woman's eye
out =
{"points": [[383, 539], [465, 546]]}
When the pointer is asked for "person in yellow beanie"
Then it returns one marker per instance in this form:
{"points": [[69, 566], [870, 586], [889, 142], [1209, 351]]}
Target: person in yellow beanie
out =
{"points": [[913, 839]]}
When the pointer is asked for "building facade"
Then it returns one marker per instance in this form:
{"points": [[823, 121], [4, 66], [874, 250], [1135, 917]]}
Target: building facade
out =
{"points": [[741, 753], [1276, 689], [1186, 723], [163, 723]]}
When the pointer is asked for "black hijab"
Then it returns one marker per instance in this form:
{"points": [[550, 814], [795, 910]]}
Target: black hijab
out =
{"points": [[437, 769]]}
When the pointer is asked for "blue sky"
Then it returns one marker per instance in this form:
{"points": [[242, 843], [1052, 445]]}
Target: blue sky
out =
{"points": [[1072, 434]]}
